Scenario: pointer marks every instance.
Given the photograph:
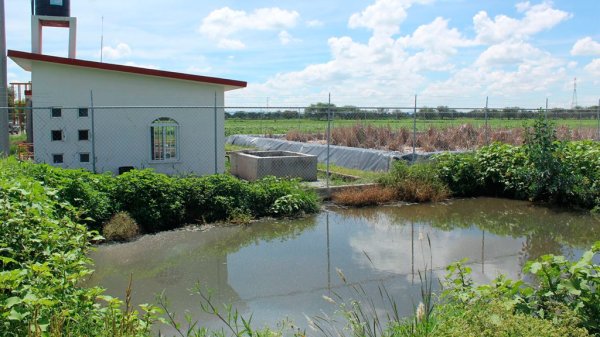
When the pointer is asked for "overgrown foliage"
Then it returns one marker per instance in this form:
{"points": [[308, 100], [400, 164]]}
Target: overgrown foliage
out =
{"points": [[159, 202], [544, 169], [418, 182], [43, 260], [562, 291]]}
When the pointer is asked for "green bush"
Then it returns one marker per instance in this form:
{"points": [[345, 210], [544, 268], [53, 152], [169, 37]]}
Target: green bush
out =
{"points": [[497, 319], [159, 202], [459, 172], [154, 200], [43, 259], [89, 193], [418, 182], [213, 198], [563, 291], [566, 173]]}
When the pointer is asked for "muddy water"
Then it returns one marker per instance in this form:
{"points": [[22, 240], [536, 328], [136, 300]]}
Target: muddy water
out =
{"points": [[281, 269]]}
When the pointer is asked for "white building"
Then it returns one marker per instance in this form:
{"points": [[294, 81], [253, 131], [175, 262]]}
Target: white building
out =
{"points": [[68, 132]]}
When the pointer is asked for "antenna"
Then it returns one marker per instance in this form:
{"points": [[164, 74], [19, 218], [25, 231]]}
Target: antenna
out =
{"points": [[102, 40], [574, 99]]}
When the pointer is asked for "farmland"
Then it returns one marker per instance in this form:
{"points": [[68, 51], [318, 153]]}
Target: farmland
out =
{"points": [[282, 126]]}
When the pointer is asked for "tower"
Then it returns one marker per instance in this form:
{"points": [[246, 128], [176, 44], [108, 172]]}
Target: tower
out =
{"points": [[52, 13]]}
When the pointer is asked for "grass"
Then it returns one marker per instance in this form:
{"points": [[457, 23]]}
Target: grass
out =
{"points": [[368, 196], [364, 177], [16, 139], [283, 126], [232, 147]]}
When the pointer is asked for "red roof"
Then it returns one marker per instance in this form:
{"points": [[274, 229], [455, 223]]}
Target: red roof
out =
{"points": [[24, 59]]}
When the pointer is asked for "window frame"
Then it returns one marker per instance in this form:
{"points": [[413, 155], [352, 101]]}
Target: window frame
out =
{"points": [[164, 123], [62, 158], [85, 153], [87, 133], [53, 110], [62, 135]]}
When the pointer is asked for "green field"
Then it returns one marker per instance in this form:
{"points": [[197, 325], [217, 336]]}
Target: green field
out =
{"points": [[281, 126]]}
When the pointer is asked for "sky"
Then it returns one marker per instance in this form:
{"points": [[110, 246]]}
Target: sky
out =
{"points": [[361, 52]]}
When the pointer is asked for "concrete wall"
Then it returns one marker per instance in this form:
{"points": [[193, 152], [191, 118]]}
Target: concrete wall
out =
{"points": [[122, 136], [253, 165]]}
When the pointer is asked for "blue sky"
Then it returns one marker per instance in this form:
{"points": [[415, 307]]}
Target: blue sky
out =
{"points": [[363, 52]]}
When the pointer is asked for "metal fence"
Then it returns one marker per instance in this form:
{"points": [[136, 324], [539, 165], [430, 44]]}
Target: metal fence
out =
{"points": [[190, 140]]}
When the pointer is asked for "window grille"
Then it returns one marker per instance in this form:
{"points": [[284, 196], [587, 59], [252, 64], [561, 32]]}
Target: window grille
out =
{"points": [[164, 136]]}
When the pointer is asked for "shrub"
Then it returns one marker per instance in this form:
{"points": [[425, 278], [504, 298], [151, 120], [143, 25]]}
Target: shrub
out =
{"points": [[497, 319], [418, 182], [43, 258], [154, 200], [89, 193], [360, 197], [563, 291], [214, 198], [459, 172], [548, 178], [120, 227], [294, 204]]}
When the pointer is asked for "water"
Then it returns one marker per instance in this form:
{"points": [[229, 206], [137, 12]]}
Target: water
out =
{"points": [[282, 269]]}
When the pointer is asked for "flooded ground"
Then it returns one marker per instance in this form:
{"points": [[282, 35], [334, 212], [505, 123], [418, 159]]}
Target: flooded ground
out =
{"points": [[281, 269]]}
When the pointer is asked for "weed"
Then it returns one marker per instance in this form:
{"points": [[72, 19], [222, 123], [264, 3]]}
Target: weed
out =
{"points": [[121, 227], [366, 196]]}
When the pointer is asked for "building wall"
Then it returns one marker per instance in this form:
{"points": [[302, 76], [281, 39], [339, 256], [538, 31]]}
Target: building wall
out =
{"points": [[122, 135]]}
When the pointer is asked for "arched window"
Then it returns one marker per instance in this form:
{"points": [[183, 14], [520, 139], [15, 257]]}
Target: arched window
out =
{"points": [[164, 136]]}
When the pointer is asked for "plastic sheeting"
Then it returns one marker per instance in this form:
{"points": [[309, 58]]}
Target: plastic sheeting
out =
{"points": [[350, 157]]}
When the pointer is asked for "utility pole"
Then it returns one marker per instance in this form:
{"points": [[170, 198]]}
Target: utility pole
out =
{"points": [[4, 140]]}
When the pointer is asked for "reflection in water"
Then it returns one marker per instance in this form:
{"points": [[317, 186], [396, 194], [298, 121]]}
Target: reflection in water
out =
{"points": [[279, 269]]}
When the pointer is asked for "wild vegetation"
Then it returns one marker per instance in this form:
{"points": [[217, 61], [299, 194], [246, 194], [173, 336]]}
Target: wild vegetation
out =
{"points": [[43, 251], [544, 169], [432, 138], [160, 202]]}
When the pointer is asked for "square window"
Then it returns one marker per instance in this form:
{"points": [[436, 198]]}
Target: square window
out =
{"points": [[84, 157], [57, 135], [56, 112], [57, 158], [84, 134], [83, 112]]}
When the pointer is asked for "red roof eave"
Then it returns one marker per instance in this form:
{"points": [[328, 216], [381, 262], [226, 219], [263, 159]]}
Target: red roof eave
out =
{"points": [[13, 54]]}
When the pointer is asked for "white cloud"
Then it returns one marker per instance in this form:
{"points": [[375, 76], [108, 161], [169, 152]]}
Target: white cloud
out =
{"points": [[120, 51], [594, 69], [286, 38], [436, 36], [537, 18], [586, 46], [384, 16], [222, 23], [231, 44], [314, 23], [508, 52]]}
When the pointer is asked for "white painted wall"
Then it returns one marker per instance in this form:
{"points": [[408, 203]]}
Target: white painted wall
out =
{"points": [[122, 136]]}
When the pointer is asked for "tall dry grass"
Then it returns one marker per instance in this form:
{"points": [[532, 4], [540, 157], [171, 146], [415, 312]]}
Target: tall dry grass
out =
{"points": [[462, 137], [361, 197]]}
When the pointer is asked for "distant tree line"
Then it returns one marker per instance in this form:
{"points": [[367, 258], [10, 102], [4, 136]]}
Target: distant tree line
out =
{"points": [[320, 111]]}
